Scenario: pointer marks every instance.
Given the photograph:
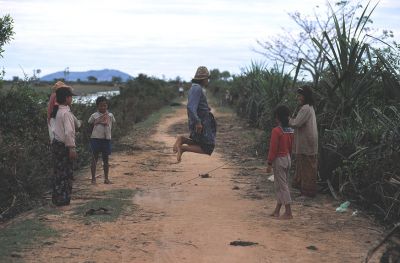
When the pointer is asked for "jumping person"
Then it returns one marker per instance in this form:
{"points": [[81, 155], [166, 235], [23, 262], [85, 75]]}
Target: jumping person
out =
{"points": [[63, 148], [280, 148], [305, 143], [202, 125], [100, 139]]}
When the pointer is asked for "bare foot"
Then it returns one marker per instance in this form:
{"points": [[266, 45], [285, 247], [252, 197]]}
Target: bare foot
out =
{"points": [[93, 180], [106, 181], [285, 217], [179, 154], [274, 214], [177, 143]]}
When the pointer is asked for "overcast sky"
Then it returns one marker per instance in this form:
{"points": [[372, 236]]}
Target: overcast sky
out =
{"points": [[155, 37]]}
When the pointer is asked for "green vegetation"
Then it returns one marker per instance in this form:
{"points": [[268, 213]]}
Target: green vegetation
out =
{"points": [[21, 235], [357, 92], [106, 209], [46, 210], [79, 88], [25, 157], [24, 150], [254, 94], [6, 31]]}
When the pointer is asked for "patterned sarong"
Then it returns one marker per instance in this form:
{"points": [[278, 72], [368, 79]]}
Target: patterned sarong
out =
{"points": [[63, 173], [306, 174], [206, 139]]}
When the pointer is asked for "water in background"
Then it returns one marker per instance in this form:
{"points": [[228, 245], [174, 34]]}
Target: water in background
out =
{"points": [[91, 98]]}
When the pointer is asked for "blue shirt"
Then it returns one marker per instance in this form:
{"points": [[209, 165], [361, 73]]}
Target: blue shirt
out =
{"points": [[197, 107]]}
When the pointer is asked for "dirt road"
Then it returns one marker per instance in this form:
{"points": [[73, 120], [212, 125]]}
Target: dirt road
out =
{"points": [[173, 215]]}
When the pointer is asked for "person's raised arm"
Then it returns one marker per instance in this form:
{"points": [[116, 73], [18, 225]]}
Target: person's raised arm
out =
{"points": [[91, 119], [302, 116]]}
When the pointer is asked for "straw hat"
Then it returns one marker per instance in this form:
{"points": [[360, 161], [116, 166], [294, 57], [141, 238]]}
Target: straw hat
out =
{"points": [[201, 73], [60, 84]]}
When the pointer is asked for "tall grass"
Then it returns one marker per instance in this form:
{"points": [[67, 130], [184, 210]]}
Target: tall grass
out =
{"points": [[256, 92], [356, 155], [351, 72]]}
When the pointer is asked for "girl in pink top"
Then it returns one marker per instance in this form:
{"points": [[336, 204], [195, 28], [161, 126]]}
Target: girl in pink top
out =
{"points": [[280, 148]]}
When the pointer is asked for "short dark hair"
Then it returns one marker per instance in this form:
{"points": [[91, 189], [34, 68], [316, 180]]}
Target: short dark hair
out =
{"points": [[307, 93], [101, 99], [282, 113], [62, 94]]}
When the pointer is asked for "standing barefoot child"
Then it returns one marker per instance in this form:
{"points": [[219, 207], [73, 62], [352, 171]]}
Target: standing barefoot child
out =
{"points": [[280, 149], [100, 140]]}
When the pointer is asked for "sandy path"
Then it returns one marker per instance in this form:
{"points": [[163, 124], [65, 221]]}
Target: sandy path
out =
{"points": [[203, 216], [197, 220]]}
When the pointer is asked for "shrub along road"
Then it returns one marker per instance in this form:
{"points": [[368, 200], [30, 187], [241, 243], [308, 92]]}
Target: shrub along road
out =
{"points": [[160, 211]]}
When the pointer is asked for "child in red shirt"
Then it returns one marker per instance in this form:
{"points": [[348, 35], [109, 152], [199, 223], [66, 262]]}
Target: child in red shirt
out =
{"points": [[280, 148]]}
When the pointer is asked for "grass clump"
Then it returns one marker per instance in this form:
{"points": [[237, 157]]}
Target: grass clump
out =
{"points": [[21, 235], [106, 209]]}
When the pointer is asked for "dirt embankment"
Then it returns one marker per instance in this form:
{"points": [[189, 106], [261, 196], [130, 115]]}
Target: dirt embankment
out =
{"points": [[159, 211]]}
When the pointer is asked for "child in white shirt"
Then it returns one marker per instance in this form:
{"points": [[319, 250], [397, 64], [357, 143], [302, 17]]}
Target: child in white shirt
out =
{"points": [[100, 140]]}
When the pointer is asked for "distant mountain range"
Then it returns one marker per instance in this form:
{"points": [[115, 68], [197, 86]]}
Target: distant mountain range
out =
{"points": [[100, 75]]}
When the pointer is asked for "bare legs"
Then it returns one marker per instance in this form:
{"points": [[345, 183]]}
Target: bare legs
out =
{"points": [[95, 157], [286, 215], [105, 167], [276, 211], [184, 144], [177, 143]]}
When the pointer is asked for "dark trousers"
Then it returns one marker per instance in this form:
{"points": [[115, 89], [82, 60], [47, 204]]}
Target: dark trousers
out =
{"points": [[63, 173]]}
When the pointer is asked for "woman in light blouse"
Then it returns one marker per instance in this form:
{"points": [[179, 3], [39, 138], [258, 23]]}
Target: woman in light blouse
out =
{"points": [[305, 143]]}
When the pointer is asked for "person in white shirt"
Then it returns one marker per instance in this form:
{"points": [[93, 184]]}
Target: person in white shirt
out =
{"points": [[63, 148], [52, 108], [100, 140], [181, 91]]}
